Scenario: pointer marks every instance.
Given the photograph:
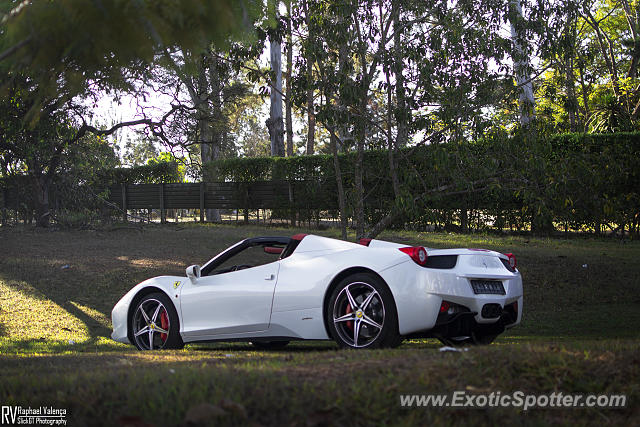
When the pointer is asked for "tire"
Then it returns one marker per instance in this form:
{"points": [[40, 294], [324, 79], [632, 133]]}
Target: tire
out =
{"points": [[372, 323], [270, 345], [154, 324]]}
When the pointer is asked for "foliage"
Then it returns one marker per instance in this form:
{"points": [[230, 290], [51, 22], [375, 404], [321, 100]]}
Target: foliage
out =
{"points": [[139, 151], [515, 180], [94, 44], [36, 149], [591, 54], [75, 219], [152, 172]]}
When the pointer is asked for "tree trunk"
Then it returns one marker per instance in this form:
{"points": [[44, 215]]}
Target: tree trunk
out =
{"points": [[216, 126], [521, 65], [359, 166], [402, 115], [41, 197], [341, 198], [585, 91], [275, 123], [359, 172], [572, 104], [311, 127], [361, 131], [390, 143], [288, 118], [344, 138], [209, 134]]}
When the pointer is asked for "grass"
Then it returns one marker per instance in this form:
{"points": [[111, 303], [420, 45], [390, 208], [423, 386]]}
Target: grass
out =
{"points": [[579, 335]]}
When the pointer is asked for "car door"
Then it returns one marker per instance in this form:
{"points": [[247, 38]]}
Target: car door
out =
{"points": [[229, 303]]}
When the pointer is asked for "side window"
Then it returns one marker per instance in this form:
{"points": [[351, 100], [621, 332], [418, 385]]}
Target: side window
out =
{"points": [[253, 256]]}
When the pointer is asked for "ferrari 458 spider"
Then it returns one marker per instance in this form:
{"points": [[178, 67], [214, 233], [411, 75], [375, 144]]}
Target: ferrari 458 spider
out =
{"points": [[271, 290]]}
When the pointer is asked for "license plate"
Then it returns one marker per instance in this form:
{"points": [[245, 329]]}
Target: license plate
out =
{"points": [[493, 287]]}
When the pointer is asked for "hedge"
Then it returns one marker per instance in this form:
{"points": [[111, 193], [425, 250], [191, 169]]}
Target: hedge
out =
{"points": [[152, 173], [574, 180]]}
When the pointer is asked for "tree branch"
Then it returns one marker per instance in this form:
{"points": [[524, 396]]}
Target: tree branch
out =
{"points": [[396, 212], [13, 49]]}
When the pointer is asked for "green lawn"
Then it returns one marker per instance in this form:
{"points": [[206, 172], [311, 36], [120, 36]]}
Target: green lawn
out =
{"points": [[580, 334]]}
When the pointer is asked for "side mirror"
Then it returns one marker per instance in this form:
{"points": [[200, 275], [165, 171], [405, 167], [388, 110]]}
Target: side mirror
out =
{"points": [[193, 272]]}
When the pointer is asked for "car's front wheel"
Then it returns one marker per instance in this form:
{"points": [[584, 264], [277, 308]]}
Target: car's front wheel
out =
{"points": [[154, 323], [361, 313]]}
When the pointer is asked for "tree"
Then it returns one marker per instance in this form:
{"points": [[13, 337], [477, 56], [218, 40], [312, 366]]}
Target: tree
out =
{"points": [[589, 62], [521, 63], [309, 61], [289, 48], [202, 75], [275, 123], [395, 71], [139, 151], [559, 50], [74, 48], [402, 113], [42, 147], [69, 45]]}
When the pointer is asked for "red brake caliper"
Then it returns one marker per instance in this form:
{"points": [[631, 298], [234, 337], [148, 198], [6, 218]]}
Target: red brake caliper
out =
{"points": [[164, 323], [349, 322]]}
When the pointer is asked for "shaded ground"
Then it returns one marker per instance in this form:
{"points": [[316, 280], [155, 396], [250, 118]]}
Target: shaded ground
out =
{"points": [[579, 335]]}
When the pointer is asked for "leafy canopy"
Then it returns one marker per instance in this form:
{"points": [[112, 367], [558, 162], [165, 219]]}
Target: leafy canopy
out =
{"points": [[71, 45]]}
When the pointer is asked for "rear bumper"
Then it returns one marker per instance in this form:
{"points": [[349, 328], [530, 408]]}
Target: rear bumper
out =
{"points": [[419, 292]]}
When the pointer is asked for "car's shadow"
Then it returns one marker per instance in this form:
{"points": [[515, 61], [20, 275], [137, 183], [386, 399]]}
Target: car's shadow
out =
{"points": [[300, 346], [293, 347]]}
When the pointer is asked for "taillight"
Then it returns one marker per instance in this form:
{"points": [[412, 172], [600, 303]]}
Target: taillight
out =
{"points": [[444, 306], [512, 260], [417, 253]]}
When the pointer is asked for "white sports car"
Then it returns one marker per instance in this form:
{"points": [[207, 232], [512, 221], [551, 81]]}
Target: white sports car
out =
{"points": [[271, 290]]}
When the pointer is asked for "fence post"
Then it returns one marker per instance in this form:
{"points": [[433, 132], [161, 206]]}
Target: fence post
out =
{"points": [[4, 207], [246, 203], [124, 202], [163, 213], [464, 218], [292, 207], [202, 184]]}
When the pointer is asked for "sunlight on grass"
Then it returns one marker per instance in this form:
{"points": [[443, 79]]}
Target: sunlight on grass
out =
{"points": [[93, 313], [31, 347], [26, 314]]}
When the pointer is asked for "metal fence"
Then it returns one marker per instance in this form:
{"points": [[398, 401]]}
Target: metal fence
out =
{"points": [[218, 195], [283, 195]]}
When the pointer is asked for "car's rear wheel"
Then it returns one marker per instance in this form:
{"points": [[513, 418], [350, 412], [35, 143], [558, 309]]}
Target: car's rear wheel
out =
{"points": [[155, 324], [361, 313], [270, 345]]}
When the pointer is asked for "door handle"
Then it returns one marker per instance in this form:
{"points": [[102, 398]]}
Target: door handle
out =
{"points": [[269, 277]]}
